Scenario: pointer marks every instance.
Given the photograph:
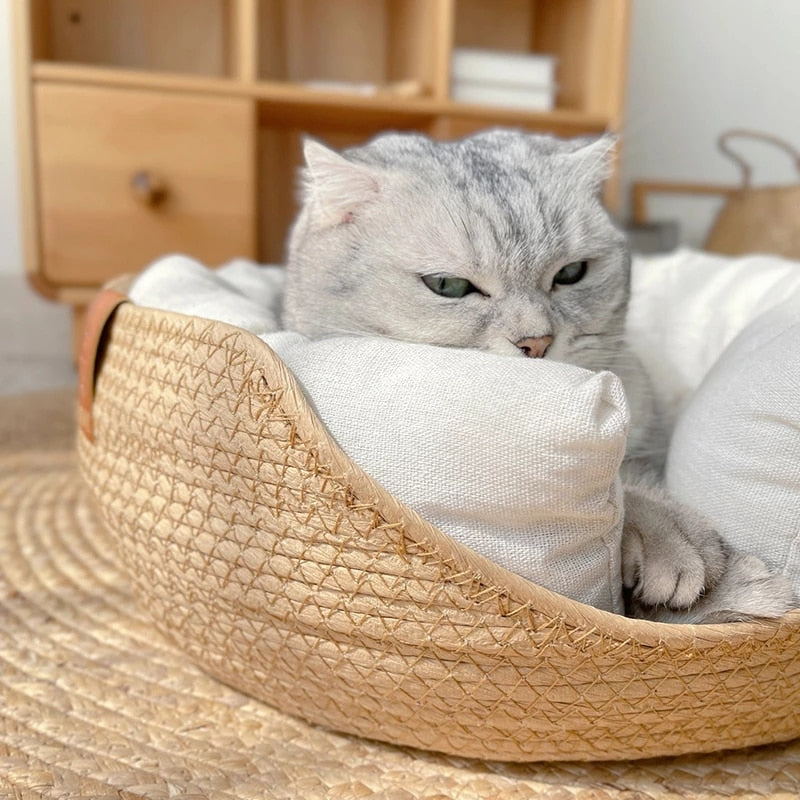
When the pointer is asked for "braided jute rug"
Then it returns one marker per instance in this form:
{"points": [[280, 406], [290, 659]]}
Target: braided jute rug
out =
{"points": [[94, 704]]}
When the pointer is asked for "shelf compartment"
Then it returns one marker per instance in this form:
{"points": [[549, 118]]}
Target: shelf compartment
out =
{"points": [[353, 43], [137, 34], [587, 37]]}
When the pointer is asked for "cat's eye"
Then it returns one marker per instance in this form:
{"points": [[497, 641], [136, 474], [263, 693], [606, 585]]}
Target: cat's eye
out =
{"points": [[448, 285], [571, 273]]}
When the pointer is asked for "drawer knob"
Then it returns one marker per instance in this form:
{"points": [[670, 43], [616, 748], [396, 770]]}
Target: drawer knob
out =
{"points": [[149, 189]]}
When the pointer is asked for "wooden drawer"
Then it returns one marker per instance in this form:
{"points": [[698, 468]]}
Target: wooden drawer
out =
{"points": [[125, 176]]}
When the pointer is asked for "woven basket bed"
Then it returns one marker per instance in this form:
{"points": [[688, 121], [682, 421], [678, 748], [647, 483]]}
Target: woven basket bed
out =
{"points": [[277, 565]]}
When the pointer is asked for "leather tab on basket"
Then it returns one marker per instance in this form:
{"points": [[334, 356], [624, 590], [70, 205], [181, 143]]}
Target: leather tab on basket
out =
{"points": [[97, 316]]}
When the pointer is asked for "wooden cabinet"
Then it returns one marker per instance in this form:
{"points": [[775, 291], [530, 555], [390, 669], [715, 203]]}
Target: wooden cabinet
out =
{"points": [[150, 126]]}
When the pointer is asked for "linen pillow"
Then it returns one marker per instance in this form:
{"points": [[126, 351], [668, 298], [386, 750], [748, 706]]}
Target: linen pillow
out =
{"points": [[687, 306], [515, 458], [735, 451]]}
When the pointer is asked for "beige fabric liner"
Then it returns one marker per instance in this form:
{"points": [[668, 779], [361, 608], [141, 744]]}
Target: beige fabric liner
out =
{"points": [[94, 704]]}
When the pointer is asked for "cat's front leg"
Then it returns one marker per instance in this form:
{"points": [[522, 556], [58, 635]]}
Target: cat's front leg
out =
{"points": [[671, 555]]}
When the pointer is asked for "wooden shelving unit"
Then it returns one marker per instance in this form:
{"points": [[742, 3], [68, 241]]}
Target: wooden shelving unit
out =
{"points": [[150, 126]]}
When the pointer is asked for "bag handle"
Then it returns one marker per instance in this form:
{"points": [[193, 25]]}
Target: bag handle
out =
{"points": [[95, 324], [747, 170]]}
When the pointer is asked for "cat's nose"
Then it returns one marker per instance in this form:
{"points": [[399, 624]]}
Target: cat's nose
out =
{"points": [[535, 347]]}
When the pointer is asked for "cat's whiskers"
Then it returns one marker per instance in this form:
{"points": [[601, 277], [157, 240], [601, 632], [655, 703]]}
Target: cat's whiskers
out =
{"points": [[515, 346]]}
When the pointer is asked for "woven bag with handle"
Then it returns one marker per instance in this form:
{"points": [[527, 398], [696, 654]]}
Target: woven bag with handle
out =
{"points": [[758, 219]]}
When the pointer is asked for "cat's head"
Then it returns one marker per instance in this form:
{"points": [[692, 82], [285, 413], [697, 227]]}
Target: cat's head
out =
{"points": [[498, 241]]}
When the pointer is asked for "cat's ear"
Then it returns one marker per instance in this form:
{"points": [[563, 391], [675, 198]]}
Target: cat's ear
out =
{"points": [[333, 187], [594, 160]]}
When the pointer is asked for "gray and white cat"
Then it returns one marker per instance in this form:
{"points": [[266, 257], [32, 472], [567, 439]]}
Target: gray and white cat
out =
{"points": [[500, 242]]}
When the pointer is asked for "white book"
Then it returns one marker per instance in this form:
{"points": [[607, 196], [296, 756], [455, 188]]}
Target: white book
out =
{"points": [[531, 98], [499, 66]]}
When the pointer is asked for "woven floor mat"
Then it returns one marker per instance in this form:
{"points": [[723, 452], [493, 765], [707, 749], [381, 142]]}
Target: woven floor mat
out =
{"points": [[94, 704]]}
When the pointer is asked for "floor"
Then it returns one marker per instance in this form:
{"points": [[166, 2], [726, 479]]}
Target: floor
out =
{"points": [[35, 340]]}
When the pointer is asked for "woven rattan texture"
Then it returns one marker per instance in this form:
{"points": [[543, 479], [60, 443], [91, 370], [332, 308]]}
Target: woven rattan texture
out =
{"points": [[281, 569], [94, 704]]}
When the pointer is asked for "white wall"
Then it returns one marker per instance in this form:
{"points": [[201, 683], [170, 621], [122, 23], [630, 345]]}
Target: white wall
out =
{"points": [[696, 68], [10, 230]]}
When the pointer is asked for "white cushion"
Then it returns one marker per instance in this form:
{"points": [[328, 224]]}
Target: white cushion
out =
{"points": [[735, 451], [687, 306], [515, 458]]}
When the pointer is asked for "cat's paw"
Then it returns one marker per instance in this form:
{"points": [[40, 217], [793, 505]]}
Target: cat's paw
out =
{"points": [[671, 556], [747, 591]]}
